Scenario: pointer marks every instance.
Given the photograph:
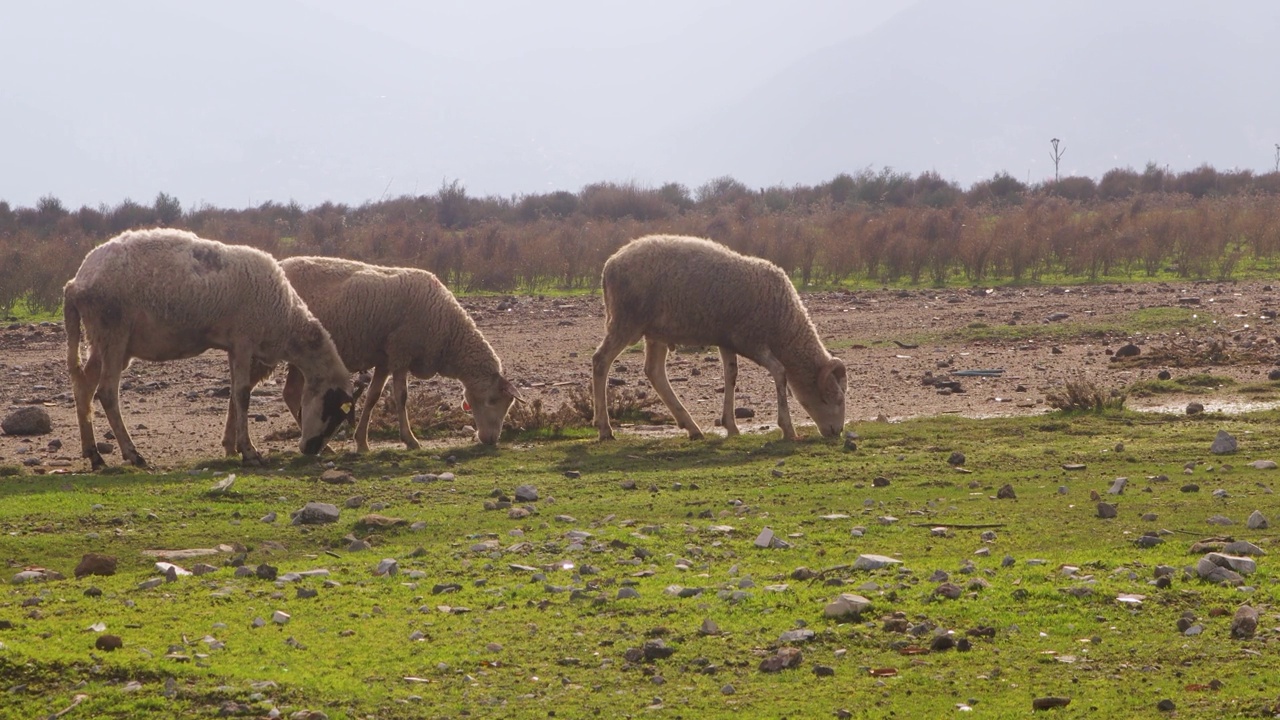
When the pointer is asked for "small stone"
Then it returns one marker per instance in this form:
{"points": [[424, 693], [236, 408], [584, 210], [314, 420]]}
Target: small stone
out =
{"points": [[354, 501], [337, 477], [108, 643], [657, 649], [280, 617], [727, 690], [824, 671], [1263, 464], [846, 605], [949, 590], [1256, 521], [709, 627], [1046, 703], [1190, 488], [1117, 486], [526, 493], [518, 513], [316, 513], [1106, 511], [96, 564], [956, 458], [1166, 705], [266, 572], [27, 420], [1194, 408], [1223, 444], [785, 658], [628, 593], [571, 474], [1164, 375], [764, 539], [799, 635], [388, 566], [1245, 623], [874, 562], [269, 517], [1006, 492]]}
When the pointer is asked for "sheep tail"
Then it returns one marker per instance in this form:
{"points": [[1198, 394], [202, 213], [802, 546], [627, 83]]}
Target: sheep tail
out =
{"points": [[71, 321]]}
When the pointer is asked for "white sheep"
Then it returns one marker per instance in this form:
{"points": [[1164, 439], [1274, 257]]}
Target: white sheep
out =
{"points": [[400, 321], [673, 290], [164, 294]]}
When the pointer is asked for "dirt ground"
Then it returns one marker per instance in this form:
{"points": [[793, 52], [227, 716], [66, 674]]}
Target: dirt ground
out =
{"points": [[177, 408]]}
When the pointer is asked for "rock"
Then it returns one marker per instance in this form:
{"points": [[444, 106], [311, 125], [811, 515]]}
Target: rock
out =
{"points": [[874, 562], [785, 658], [765, 539], [1214, 573], [1219, 520], [1257, 521], [108, 643], [824, 671], [744, 413], [374, 521], [1106, 511], [880, 481], [1194, 408], [1056, 317], [1117, 487], [1127, 350], [354, 502], [526, 493], [709, 627], [1047, 703], [358, 545], [316, 513], [1189, 488], [337, 477], [1164, 375], [388, 566], [96, 564], [1242, 547], [1223, 444], [949, 590], [1244, 623], [956, 458], [628, 593], [518, 513], [280, 617], [846, 605], [572, 475], [1263, 465], [1242, 565], [28, 420], [268, 518], [1006, 493], [1166, 705], [798, 635], [657, 649], [266, 572]]}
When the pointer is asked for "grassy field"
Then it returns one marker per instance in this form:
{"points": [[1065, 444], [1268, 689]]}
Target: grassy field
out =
{"points": [[492, 616]]}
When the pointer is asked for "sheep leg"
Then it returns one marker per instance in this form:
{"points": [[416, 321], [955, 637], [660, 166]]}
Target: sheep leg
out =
{"points": [[779, 373], [400, 393], [730, 361], [259, 371], [109, 398], [294, 384], [84, 386], [655, 368], [610, 348], [242, 369], [372, 394]]}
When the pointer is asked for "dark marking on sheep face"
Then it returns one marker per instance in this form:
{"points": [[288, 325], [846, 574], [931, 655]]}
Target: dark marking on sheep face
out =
{"points": [[309, 341], [208, 259], [336, 407]]}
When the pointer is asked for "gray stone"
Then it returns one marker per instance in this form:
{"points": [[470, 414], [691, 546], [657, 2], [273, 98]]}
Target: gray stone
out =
{"points": [[1106, 511], [1257, 521], [1214, 573], [354, 502], [874, 562], [526, 493], [1223, 444], [1242, 565], [1117, 487], [765, 538], [1263, 465], [956, 458], [1245, 623], [796, 636], [627, 593], [1220, 520], [316, 513], [1194, 408], [388, 567], [846, 605], [28, 420], [1242, 547]]}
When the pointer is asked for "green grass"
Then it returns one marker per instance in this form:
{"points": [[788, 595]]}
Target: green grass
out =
{"points": [[1197, 384], [23, 312], [563, 653], [1145, 320]]}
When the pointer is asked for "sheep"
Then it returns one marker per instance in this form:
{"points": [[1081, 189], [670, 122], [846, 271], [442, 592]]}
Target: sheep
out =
{"points": [[673, 290], [164, 294], [400, 321]]}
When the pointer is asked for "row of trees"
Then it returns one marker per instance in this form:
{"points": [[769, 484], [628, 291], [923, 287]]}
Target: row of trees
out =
{"points": [[884, 226]]}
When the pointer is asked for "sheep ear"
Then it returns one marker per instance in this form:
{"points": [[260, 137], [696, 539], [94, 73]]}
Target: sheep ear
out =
{"points": [[831, 379], [509, 388]]}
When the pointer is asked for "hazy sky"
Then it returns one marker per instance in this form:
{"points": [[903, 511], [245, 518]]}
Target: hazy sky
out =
{"points": [[239, 102]]}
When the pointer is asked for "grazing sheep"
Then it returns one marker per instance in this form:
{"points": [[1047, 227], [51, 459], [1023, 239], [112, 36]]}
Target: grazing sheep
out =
{"points": [[674, 290], [166, 295], [400, 321]]}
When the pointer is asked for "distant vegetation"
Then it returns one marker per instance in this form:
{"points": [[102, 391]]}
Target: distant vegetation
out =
{"points": [[871, 227]]}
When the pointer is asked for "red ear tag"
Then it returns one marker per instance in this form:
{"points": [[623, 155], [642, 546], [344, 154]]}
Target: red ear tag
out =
{"points": [[466, 405]]}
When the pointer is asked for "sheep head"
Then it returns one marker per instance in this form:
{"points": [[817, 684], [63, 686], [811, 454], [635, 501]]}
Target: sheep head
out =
{"points": [[824, 400], [489, 403], [324, 409]]}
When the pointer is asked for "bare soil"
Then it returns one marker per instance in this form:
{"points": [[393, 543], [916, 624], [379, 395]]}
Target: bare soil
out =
{"points": [[177, 409]]}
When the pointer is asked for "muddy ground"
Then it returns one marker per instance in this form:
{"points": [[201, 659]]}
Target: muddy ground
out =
{"points": [[177, 409]]}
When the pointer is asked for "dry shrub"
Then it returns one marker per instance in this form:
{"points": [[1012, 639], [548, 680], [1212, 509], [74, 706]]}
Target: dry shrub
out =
{"points": [[1080, 394], [1199, 353], [430, 412], [625, 405]]}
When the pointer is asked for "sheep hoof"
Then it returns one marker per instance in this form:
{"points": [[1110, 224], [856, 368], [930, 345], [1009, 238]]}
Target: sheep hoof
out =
{"points": [[606, 435], [696, 435], [95, 461], [253, 457]]}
